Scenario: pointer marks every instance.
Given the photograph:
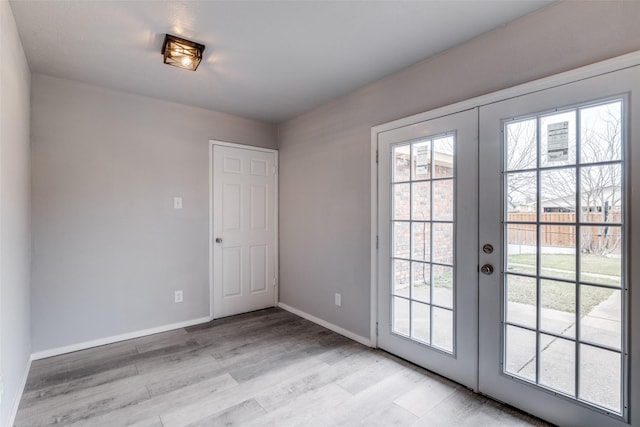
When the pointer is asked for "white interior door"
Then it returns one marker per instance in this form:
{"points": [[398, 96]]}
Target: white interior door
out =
{"points": [[558, 328], [244, 192], [427, 257]]}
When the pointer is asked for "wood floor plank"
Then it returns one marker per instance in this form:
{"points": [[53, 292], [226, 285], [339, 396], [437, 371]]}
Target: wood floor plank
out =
{"points": [[378, 370], [342, 351], [181, 375], [352, 411], [164, 339], [87, 368], [44, 369], [389, 415], [289, 390], [67, 409], [179, 416], [265, 368], [237, 415], [304, 409], [90, 355], [148, 409], [464, 408], [424, 397], [38, 396], [149, 422], [254, 362]]}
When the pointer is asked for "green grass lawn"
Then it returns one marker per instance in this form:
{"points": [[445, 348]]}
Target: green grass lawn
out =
{"points": [[555, 295], [589, 263], [441, 280], [558, 295]]}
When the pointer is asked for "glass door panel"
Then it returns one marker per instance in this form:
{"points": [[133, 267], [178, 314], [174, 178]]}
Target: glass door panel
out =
{"points": [[553, 317], [427, 278], [543, 293], [427, 258]]}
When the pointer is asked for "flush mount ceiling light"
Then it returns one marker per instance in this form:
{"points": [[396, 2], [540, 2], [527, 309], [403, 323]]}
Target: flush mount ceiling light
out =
{"points": [[182, 53]]}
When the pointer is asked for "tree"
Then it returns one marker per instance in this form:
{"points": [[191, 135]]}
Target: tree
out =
{"points": [[600, 172], [601, 192], [521, 155]]}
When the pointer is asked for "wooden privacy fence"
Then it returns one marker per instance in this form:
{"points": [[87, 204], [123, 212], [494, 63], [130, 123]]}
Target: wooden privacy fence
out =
{"points": [[594, 238]]}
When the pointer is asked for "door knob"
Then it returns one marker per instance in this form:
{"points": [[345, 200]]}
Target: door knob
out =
{"points": [[218, 239], [487, 269], [487, 248]]}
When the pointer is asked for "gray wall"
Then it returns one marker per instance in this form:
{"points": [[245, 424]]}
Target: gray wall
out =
{"points": [[15, 264], [324, 154], [109, 249]]}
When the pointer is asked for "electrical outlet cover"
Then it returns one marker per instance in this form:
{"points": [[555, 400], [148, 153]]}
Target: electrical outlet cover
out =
{"points": [[177, 296]]}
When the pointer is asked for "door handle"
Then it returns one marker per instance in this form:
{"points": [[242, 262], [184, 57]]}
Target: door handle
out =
{"points": [[218, 239], [487, 269]]}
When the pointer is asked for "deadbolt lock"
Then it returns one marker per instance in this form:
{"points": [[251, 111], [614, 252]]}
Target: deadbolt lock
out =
{"points": [[487, 248]]}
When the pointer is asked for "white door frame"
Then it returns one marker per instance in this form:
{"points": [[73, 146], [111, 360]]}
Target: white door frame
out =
{"points": [[621, 86], [213, 143], [614, 64], [457, 361]]}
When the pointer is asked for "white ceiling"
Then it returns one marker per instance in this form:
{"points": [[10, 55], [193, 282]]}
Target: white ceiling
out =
{"points": [[268, 60]]}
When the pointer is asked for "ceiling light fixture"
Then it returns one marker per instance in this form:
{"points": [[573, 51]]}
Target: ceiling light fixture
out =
{"points": [[182, 53]]}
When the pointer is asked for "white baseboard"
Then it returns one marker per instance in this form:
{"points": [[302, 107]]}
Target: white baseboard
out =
{"points": [[18, 396], [116, 338], [331, 326]]}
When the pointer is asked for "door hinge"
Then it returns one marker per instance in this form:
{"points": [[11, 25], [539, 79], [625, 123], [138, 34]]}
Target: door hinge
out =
{"points": [[377, 242], [377, 152], [376, 328]]}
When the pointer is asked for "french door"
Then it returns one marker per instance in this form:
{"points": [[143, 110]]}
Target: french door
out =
{"points": [[555, 181], [506, 247], [428, 208]]}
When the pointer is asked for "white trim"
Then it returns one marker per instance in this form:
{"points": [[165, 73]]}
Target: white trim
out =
{"points": [[571, 76], [116, 338], [358, 338], [211, 144], [276, 269], [18, 397], [374, 237], [242, 146], [276, 246]]}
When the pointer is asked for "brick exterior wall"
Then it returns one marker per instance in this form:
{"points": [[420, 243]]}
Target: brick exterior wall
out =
{"points": [[432, 242]]}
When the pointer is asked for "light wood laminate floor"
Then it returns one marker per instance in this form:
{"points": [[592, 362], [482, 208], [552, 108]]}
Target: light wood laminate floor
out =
{"points": [[266, 368]]}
